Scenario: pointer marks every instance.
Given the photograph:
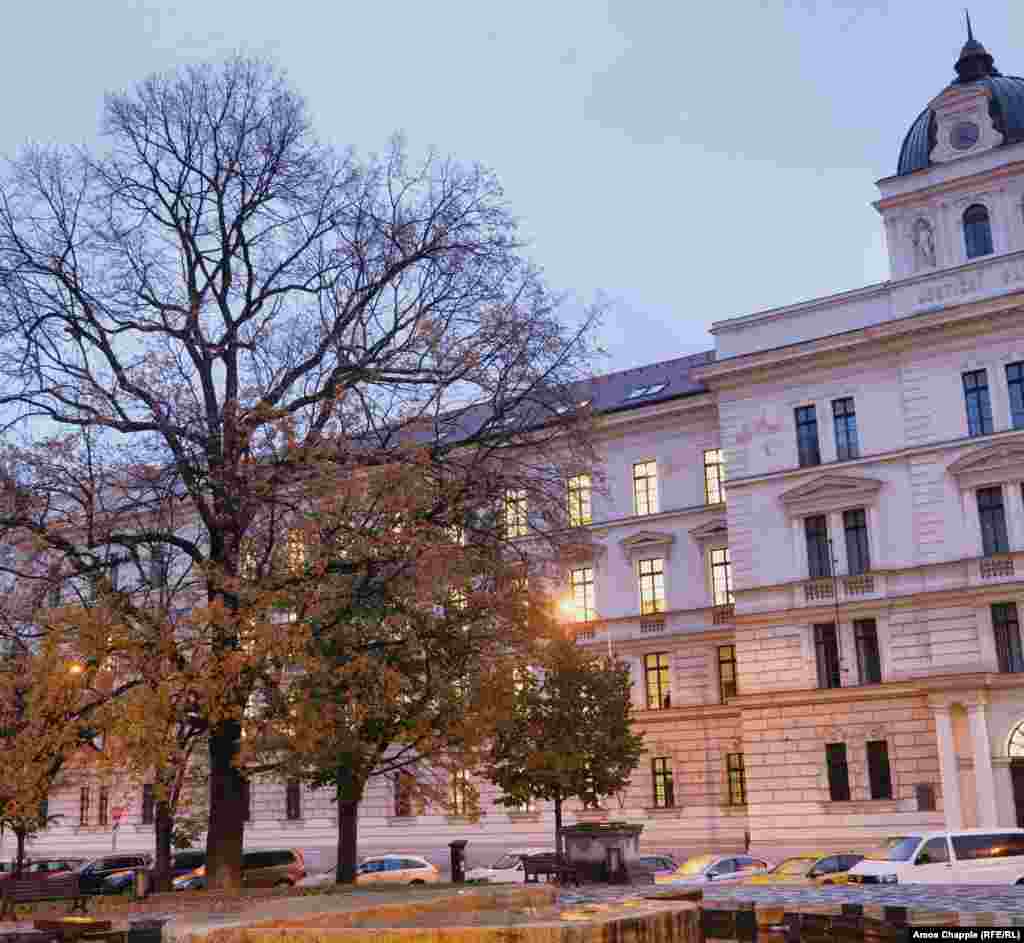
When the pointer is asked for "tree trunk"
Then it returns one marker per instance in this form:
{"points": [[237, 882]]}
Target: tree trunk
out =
{"points": [[226, 828], [348, 798], [19, 861], [163, 827], [558, 825]]}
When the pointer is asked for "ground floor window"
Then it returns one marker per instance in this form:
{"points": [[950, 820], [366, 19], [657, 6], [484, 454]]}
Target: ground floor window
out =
{"points": [[838, 772], [737, 779], [879, 774]]}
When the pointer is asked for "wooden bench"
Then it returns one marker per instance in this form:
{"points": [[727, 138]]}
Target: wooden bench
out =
{"points": [[15, 890], [552, 867]]}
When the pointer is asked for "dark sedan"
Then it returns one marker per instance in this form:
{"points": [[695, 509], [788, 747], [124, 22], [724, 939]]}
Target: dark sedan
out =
{"points": [[181, 863], [93, 874]]}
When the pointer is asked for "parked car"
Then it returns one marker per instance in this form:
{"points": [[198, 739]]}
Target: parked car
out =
{"points": [[282, 867], [508, 868], [704, 869], [811, 869], [655, 864], [397, 869], [971, 856], [53, 867], [182, 862], [93, 874]]}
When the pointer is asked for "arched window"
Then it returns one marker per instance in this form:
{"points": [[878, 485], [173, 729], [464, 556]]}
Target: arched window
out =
{"points": [[977, 231], [1015, 745]]}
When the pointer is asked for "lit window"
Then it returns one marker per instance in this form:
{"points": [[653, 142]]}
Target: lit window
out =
{"points": [[657, 681], [515, 513], [581, 584], [664, 791], [460, 793], [714, 487], [977, 231], [651, 389], [721, 577], [726, 672], [645, 487], [579, 489], [737, 779], [652, 586]]}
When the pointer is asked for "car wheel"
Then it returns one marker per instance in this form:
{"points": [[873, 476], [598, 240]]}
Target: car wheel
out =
{"points": [[1020, 882], [415, 882]]}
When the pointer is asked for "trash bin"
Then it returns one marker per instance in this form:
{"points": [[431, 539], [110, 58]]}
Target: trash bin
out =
{"points": [[150, 930], [458, 860], [140, 886]]}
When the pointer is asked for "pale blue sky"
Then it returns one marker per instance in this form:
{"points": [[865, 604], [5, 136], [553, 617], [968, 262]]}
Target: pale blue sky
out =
{"points": [[692, 161]]}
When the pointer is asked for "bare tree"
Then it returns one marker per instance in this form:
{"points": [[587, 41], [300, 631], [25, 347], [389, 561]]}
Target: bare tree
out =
{"points": [[219, 303]]}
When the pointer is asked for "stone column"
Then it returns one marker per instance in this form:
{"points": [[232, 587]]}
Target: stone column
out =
{"points": [[948, 768], [984, 781]]}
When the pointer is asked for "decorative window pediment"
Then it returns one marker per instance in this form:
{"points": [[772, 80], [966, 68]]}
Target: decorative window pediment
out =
{"points": [[830, 493], [714, 530], [990, 465], [647, 541]]}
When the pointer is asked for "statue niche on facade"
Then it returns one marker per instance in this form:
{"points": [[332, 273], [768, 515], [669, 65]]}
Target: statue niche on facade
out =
{"points": [[923, 239]]}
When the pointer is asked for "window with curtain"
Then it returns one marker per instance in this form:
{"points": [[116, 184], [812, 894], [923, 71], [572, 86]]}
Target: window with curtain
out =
{"points": [[579, 493], [651, 574], [664, 792], [645, 488], [714, 485]]}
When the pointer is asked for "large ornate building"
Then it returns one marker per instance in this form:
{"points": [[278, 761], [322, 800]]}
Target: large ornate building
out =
{"points": [[825, 640]]}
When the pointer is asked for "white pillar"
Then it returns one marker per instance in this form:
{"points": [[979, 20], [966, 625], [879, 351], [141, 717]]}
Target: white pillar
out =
{"points": [[948, 768], [984, 781]]}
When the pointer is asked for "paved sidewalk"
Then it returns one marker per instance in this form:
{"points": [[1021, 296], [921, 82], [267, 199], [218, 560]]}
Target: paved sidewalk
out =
{"points": [[967, 898]]}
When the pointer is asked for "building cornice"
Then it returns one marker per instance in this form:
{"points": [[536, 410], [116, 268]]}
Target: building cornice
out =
{"points": [[968, 315], [962, 595]]}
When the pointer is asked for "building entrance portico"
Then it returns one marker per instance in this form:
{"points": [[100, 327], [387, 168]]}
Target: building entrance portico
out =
{"points": [[965, 760]]}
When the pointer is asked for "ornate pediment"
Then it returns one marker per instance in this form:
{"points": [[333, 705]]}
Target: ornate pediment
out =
{"points": [[990, 464], [711, 530], [647, 541], [830, 492]]}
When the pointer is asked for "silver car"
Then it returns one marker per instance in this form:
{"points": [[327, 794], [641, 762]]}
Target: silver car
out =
{"points": [[718, 869]]}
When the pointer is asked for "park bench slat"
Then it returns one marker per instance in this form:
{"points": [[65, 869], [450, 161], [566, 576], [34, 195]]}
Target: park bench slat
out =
{"points": [[28, 890]]}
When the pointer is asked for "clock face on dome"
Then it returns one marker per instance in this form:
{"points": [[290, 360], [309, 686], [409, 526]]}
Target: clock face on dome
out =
{"points": [[964, 135]]}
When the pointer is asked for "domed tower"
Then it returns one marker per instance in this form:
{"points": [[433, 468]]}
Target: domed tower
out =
{"points": [[958, 193]]}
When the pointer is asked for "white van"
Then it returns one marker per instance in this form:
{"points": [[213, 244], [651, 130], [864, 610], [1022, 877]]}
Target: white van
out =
{"points": [[973, 856]]}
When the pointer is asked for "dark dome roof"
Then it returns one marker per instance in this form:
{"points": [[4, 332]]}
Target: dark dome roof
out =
{"points": [[1006, 106]]}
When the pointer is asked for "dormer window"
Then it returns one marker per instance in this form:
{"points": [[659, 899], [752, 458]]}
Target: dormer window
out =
{"points": [[641, 392], [977, 231]]}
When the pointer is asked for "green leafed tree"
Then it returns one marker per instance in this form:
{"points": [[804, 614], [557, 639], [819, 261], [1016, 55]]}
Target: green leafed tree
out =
{"points": [[568, 734]]}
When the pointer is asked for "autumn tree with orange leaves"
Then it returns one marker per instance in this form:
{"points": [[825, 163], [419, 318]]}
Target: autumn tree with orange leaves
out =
{"points": [[213, 320]]}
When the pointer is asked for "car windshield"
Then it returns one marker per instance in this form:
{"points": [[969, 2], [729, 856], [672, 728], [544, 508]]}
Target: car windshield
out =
{"points": [[899, 848], [694, 865], [505, 862], [795, 866]]}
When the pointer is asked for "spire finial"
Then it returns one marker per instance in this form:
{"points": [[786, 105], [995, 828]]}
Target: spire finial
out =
{"points": [[974, 62], [970, 32]]}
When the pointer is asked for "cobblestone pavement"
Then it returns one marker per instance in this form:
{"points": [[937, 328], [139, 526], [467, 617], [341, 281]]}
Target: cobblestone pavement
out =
{"points": [[967, 898]]}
